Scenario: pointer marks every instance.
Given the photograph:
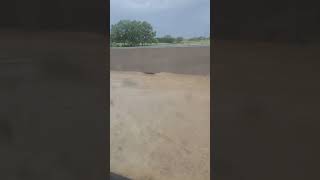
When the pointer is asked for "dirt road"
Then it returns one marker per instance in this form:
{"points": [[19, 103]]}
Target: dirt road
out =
{"points": [[160, 126]]}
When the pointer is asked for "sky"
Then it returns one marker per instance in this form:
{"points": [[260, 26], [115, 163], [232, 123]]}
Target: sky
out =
{"points": [[186, 18]]}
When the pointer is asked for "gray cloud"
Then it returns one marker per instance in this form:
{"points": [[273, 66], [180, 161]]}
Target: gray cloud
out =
{"points": [[175, 17]]}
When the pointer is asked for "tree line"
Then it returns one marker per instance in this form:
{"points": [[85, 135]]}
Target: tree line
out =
{"points": [[129, 33]]}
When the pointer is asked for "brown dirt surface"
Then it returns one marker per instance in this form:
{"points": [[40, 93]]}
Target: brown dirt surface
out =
{"points": [[160, 126]]}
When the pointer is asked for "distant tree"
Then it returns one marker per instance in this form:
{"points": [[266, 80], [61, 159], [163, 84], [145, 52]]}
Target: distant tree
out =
{"points": [[198, 38], [193, 39], [202, 38], [132, 33], [166, 39], [179, 39], [155, 40]]}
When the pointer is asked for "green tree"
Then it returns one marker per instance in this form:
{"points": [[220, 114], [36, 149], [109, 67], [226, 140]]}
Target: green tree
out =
{"points": [[132, 33], [147, 33], [119, 32], [197, 38], [166, 39], [179, 39]]}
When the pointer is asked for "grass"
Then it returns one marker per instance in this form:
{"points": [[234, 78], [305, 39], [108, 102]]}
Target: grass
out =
{"points": [[205, 42], [198, 42]]}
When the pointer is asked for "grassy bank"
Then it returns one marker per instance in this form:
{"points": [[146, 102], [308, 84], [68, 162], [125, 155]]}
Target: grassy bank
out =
{"points": [[205, 42]]}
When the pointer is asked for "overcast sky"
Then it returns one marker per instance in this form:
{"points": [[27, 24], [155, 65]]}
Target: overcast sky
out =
{"points": [[187, 18]]}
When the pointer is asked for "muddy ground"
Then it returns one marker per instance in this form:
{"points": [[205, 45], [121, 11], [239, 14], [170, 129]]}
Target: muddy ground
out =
{"points": [[179, 60], [160, 126]]}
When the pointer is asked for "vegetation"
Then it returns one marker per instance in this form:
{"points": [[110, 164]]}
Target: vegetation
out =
{"points": [[169, 39], [132, 33], [128, 33], [197, 41], [179, 39], [198, 38], [166, 39]]}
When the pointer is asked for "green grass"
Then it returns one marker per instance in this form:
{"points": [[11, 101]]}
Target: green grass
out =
{"points": [[205, 42], [198, 42]]}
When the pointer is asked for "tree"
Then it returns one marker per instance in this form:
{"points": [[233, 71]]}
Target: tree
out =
{"points": [[132, 33], [166, 39], [179, 39], [198, 38], [118, 32], [147, 34]]}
